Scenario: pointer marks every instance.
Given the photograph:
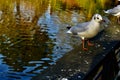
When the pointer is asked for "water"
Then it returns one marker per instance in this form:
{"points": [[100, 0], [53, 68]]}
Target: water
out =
{"points": [[33, 33]]}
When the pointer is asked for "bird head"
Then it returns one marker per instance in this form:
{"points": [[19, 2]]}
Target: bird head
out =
{"points": [[97, 18]]}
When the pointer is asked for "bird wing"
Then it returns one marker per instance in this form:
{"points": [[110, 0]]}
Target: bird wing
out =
{"points": [[81, 27], [115, 10]]}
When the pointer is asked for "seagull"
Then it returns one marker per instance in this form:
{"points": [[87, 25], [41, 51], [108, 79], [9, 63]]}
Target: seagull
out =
{"points": [[87, 30], [115, 12]]}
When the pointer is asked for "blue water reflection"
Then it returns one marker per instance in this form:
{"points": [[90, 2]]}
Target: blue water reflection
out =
{"points": [[23, 66]]}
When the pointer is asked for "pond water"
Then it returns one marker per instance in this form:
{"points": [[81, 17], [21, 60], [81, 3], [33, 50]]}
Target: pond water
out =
{"points": [[33, 33]]}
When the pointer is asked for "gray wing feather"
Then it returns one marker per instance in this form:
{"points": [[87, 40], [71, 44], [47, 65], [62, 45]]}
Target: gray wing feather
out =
{"points": [[79, 28], [115, 10]]}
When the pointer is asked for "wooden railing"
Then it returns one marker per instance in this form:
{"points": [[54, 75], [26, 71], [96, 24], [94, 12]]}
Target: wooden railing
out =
{"points": [[107, 68]]}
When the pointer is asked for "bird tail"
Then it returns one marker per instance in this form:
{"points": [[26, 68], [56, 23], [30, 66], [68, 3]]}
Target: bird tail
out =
{"points": [[69, 32], [68, 27], [107, 11]]}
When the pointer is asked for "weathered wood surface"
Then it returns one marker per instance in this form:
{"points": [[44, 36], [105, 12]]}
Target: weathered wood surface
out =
{"points": [[79, 61]]}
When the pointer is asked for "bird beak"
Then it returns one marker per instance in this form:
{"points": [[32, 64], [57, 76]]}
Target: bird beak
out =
{"points": [[102, 20]]}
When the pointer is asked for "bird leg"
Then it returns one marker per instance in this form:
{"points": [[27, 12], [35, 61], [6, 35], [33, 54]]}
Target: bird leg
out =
{"points": [[118, 20], [83, 45], [89, 43]]}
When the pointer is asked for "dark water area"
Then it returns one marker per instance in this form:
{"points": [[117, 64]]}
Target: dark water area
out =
{"points": [[33, 33]]}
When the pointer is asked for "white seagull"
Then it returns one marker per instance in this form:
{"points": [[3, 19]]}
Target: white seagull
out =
{"points": [[87, 30], [115, 12]]}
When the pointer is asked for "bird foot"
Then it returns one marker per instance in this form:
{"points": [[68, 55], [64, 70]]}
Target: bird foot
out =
{"points": [[85, 49], [119, 22], [90, 44]]}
